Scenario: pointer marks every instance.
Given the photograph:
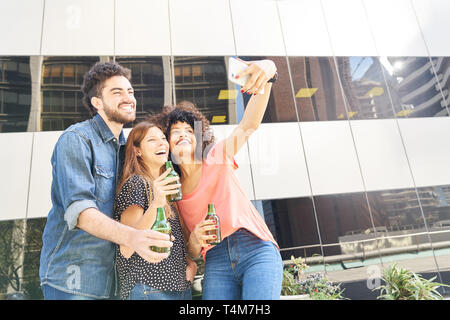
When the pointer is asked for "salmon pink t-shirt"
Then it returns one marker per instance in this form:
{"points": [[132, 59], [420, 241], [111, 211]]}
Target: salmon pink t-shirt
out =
{"points": [[220, 186]]}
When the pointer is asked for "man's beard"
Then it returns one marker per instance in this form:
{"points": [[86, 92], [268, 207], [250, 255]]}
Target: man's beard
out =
{"points": [[114, 115]]}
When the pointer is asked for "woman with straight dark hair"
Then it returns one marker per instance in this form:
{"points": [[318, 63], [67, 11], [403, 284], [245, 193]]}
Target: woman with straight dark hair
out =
{"points": [[141, 190]]}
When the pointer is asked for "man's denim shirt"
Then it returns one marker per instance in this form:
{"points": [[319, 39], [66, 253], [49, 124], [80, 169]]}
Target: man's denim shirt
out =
{"points": [[86, 161]]}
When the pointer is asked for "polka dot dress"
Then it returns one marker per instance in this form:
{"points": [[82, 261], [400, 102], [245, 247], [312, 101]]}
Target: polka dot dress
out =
{"points": [[167, 275]]}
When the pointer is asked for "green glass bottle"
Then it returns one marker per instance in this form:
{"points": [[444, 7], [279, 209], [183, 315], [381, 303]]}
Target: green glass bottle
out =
{"points": [[213, 216], [161, 225], [177, 196]]}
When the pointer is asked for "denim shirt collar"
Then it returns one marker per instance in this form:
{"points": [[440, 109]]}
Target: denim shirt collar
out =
{"points": [[105, 132]]}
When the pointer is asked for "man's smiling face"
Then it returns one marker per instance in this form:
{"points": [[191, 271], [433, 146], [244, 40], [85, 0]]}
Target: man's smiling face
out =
{"points": [[117, 102]]}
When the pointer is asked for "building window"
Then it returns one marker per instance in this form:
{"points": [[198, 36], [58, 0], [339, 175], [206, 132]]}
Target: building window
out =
{"points": [[203, 81], [62, 78], [15, 93], [147, 78]]}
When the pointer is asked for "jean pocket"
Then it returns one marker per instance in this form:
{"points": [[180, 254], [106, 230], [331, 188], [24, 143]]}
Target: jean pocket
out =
{"points": [[149, 290], [143, 292], [104, 184]]}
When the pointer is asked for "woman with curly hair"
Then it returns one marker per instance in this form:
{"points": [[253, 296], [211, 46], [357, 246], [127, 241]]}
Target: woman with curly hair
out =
{"points": [[246, 264]]}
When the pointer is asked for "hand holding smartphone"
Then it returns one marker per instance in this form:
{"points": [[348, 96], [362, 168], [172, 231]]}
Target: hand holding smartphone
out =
{"points": [[234, 68]]}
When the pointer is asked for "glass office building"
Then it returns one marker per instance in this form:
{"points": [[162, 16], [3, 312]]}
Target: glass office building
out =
{"points": [[350, 168]]}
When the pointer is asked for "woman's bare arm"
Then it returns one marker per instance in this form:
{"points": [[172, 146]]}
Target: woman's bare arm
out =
{"points": [[260, 72]]}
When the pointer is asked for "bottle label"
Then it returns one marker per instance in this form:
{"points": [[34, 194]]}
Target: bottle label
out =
{"points": [[215, 232]]}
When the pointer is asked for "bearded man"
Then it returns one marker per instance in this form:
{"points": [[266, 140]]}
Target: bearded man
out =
{"points": [[79, 239]]}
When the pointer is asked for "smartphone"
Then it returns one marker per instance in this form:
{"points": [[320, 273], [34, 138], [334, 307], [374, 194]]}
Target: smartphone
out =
{"points": [[234, 67]]}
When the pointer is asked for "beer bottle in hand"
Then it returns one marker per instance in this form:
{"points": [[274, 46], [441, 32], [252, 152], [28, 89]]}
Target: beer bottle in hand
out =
{"points": [[161, 225], [177, 196], [213, 216]]}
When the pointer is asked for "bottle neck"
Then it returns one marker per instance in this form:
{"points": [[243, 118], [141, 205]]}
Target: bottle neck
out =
{"points": [[169, 165], [160, 214], [211, 209]]}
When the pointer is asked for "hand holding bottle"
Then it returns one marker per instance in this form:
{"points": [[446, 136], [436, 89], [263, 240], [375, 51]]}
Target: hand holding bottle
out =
{"points": [[141, 242], [163, 187], [199, 237], [212, 216], [163, 226]]}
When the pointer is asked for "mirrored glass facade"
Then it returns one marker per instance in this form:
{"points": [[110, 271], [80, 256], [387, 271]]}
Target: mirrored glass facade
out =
{"points": [[340, 234], [203, 81], [61, 96], [317, 90], [418, 86], [391, 206], [148, 79], [15, 93]]}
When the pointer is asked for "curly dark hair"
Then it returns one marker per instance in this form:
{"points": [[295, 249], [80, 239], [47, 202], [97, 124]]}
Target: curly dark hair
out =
{"points": [[94, 79], [187, 112]]}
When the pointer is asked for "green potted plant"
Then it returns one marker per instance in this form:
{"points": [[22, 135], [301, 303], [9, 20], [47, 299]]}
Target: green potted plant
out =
{"points": [[291, 289], [323, 289], [402, 284], [298, 286]]}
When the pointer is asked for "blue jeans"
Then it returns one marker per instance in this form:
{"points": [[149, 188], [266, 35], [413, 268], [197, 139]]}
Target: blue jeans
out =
{"points": [[144, 292], [243, 267], [51, 293]]}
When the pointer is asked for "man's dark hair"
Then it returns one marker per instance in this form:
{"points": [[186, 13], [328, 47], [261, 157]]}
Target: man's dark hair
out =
{"points": [[94, 79]]}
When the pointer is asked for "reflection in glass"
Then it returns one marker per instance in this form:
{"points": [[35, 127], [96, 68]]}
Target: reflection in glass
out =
{"points": [[16, 70], [343, 219], [15, 93], [203, 81], [317, 90], [396, 209], [32, 254], [12, 238], [62, 78], [293, 224], [436, 207], [415, 86], [403, 235], [281, 106], [442, 73], [20, 248], [364, 88], [147, 78]]}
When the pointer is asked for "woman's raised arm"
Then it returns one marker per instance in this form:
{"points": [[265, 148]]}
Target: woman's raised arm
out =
{"points": [[260, 72]]}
